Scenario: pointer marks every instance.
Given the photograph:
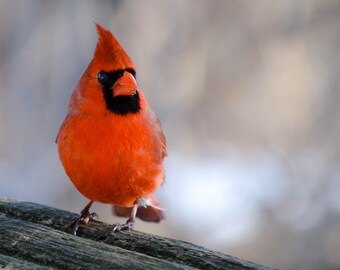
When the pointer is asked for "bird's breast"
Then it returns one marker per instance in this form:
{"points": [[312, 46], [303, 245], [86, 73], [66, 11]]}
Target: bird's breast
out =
{"points": [[112, 159]]}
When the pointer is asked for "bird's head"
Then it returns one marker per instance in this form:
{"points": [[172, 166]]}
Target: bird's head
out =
{"points": [[110, 79]]}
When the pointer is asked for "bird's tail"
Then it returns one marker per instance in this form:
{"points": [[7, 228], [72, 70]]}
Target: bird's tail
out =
{"points": [[148, 210]]}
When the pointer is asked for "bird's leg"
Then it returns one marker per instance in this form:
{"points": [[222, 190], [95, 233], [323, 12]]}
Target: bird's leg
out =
{"points": [[130, 222], [85, 217]]}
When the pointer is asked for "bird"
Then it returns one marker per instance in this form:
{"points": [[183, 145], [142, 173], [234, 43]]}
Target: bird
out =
{"points": [[111, 143]]}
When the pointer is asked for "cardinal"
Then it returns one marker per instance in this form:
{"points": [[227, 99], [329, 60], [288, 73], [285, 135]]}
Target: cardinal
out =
{"points": [[111, 143]]}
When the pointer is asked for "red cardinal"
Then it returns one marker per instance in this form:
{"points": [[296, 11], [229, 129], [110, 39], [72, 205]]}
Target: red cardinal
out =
{"points": [[111, 143]]}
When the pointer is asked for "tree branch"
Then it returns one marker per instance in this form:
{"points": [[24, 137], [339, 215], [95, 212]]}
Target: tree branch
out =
{"points": [[35, 236]]}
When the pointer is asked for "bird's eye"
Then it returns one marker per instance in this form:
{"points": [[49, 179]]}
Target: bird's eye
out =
{"points": [[102, 77]]}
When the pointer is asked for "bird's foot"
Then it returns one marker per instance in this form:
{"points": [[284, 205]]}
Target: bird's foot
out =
{"points": [[122, 227], [84, 219]]}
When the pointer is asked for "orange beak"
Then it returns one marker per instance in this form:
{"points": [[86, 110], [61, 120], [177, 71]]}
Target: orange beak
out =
{"points": [[125, 85]]}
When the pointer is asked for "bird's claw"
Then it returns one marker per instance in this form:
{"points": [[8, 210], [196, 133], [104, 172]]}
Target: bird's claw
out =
{"points": [[122, 227], [84, 219]]}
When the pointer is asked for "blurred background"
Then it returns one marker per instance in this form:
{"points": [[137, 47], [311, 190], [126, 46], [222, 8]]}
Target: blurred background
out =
{"points": [[248, 96]]}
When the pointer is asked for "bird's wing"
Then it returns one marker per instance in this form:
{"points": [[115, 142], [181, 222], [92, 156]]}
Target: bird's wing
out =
{"points": [[163, 140]]}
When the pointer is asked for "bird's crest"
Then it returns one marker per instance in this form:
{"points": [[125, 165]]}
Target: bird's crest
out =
{"points": [[109, 54]]}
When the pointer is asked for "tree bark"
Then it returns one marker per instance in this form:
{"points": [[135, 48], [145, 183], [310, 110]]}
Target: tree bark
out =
{"points": [[34, 236]]}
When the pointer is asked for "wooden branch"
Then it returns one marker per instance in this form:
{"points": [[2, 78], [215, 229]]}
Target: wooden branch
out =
{"points": [[34, 236]]}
